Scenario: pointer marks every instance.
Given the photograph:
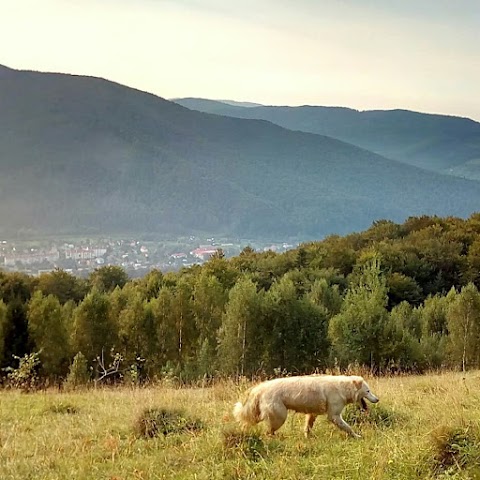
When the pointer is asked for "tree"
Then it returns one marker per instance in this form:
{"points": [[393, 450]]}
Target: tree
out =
{"points": [[106, 278], [222, 269], [16, 338], [79, 374], [185, 329], [151, 284], [15, 286], [164, 318], [402, 338], [3, 321], [463, 318], [326, 297], [47, 329], [295, 329], [209, 299], [62, 285], [357, 332], [137, 332], [94, 329], [402, 288], [238, 336]]}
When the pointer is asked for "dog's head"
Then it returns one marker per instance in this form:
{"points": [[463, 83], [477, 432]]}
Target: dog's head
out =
{"points": [[362, 390]]}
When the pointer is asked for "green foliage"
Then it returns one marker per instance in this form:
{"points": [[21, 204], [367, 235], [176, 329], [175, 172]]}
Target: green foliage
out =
{"points": [[463, 318], [357, 333], [15, 286], [79, 373], [25, 376], [392, 298], [16, 337], [297, 338], [94, 330], [240, 333], [106, 278], [63, 285], [48, 331]]}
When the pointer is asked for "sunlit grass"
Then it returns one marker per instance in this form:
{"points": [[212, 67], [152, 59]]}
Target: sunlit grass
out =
{"points": [[91, 435]]}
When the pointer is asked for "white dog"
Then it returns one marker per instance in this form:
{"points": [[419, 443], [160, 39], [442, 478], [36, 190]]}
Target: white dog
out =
{"points": [[309, 394]]}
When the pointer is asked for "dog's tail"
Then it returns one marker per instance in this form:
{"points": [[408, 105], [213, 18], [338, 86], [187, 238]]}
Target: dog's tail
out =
{"points": [[248, 413]]}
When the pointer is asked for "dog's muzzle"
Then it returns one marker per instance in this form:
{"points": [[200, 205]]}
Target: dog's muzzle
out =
{"points": [[371, 397]]}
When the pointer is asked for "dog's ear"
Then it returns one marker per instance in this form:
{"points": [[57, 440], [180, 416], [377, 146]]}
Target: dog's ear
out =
{"points": [[358, 384]]}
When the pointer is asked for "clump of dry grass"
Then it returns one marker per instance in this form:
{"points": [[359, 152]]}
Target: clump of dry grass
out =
{"points": [[250, 445], [456, 447], [153, 422], [61, 407]]}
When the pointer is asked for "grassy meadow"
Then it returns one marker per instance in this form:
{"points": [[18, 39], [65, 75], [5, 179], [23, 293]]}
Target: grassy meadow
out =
{"points": [[424, 427]]}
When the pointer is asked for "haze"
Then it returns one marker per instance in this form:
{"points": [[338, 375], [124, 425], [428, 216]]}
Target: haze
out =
{"points": [[376, 54]]}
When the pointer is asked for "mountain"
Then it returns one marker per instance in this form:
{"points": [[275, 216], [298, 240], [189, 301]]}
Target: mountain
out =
{"points": [[86, 155], [441, 143]]}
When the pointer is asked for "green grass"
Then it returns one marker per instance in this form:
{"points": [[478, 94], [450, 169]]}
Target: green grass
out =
{"points": [[424, 427]]}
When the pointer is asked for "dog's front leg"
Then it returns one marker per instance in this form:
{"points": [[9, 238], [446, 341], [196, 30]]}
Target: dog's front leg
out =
{"points": [[309, 421], [342, 424]]}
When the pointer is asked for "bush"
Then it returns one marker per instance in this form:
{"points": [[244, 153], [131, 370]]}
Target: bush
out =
{"points": [[25, 376], [160, 421]]}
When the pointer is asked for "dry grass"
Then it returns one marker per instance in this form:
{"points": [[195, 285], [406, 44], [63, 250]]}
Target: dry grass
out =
{"points": [[91, 435]]}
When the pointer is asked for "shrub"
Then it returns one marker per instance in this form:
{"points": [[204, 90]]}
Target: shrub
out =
{"points": [[160, 421], [25, 376]]}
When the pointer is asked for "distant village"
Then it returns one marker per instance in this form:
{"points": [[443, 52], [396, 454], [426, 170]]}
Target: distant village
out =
{"points": [[137, 257]]}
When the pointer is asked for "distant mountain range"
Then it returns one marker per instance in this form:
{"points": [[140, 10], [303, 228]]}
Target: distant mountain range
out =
{"points": [[86, 155], [441, 143]]}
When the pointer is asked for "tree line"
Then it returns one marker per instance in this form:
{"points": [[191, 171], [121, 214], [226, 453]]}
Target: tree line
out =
{"points": [[394, 297]]}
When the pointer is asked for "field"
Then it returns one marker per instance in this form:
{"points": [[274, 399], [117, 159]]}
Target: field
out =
{"points": [[423, 427]]}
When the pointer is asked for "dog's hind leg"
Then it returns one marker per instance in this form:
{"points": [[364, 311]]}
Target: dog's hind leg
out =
{"points": [[309, 421]]}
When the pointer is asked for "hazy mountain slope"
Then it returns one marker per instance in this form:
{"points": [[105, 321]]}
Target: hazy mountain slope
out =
{"points": [[81, 154], [437, 142]]}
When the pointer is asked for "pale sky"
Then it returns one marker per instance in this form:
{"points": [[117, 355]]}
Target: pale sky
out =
{"points": [[421, 55]]}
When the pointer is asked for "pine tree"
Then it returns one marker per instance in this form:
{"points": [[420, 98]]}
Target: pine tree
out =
{"points": [[357, 332]]}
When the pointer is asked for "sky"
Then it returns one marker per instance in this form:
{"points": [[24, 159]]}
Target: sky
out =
{"points": [[421, 55]]}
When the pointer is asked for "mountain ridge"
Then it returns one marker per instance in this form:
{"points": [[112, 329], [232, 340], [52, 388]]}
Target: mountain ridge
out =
{"points": [[85, 155], [441, 143]]}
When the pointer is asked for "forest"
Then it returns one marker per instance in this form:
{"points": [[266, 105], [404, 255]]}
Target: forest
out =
{"points": [[393, 298]]}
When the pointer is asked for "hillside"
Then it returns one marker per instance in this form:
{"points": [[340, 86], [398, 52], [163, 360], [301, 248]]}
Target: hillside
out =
{"points": [[440, 143], [86, 155]]}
